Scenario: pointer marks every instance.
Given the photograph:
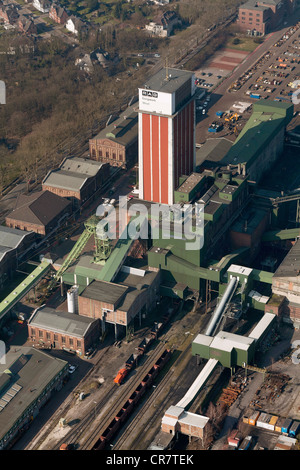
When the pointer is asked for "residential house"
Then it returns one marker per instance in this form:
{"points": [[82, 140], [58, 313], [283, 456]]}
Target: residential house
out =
{"points": [[42, 5], [9, 13], [58, 14], [26, 25], [164, 24], [76, 25]]}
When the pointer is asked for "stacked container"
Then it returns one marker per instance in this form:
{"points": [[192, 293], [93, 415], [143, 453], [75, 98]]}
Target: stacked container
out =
{"points": [[253, 418]]}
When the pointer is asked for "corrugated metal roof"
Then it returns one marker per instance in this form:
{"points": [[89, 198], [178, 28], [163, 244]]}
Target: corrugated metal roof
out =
{"points": [[33, 378], [262, 325], [59, 321], [198, 383]]}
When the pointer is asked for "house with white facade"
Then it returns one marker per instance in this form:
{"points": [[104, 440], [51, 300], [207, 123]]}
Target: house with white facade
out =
{"points": [[42, 5], [76, 25], [164, 24]]}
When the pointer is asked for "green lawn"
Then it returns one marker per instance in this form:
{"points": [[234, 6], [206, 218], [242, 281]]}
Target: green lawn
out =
{"points": [[246, 44]]}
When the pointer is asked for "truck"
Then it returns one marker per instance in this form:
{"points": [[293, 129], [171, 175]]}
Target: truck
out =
{"points": [[255, 96]]}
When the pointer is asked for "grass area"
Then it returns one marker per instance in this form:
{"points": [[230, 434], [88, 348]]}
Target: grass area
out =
{"points": [[246, 44]]}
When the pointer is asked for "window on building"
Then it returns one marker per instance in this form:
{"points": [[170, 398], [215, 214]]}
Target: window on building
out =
{"points": [[100, 153], [78, 343], [32, 332], [71, 341], [114, 156], [63, 339], [107, 154], [48, 336], [55, 337], [41, 334]]}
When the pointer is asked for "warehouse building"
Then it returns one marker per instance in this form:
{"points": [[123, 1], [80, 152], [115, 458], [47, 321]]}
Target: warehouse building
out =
{"points": [[177, 420], [77, 179], [117, 143], [232, 350], [261, 140], [133, 294], [28, 379], [14, 244], [41, 212], [286, 283], [229, 349], [50, 328], [248, 229]]}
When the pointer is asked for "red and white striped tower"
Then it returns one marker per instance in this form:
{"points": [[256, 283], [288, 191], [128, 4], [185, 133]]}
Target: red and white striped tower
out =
{"points": [[166, 133]]}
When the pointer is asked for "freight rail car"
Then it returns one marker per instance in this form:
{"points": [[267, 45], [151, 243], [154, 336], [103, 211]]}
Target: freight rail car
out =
{"points": [[132, 401], [143, 347]]}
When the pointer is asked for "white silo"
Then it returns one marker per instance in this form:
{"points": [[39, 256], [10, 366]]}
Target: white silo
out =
{"points": [[72, 299]]}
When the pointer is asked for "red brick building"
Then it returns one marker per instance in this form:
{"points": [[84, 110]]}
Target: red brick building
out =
{"points": [[26, 25], [117, 144], [259, 17], [50, 328], [58, 14], [41, 212], [77, 179], [9, 13]]}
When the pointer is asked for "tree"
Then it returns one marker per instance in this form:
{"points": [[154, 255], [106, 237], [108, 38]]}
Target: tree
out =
{"points": [[118, 10]]}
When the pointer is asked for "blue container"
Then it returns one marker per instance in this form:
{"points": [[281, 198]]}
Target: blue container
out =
{"points": [[294, 429], [286, 426]]}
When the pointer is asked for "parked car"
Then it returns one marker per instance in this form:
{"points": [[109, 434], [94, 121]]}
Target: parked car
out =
{"points": [[71, 369]]}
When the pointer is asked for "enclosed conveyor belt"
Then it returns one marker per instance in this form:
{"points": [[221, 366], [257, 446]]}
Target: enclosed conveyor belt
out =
{"points": [[221, 308]]}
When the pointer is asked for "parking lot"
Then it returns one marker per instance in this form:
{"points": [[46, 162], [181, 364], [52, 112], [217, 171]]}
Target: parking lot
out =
{"points": [[269, 72]]}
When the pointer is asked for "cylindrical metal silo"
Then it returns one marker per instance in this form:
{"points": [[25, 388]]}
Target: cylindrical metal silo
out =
{"points": [[72, 299]]}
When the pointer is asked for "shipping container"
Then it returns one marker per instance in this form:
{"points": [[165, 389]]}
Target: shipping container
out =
{"points": [[234, 438], [294, 429], [279, 424], [264, 421], [286, 425], [253, 418], [245, 444]]}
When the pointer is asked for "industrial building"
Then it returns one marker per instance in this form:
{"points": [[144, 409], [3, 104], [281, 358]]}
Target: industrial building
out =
{"points": [[50, 328], [14, 244], [166, 133], [28, 379], [286, 285], [77, 179], [258, 18], [41, 212], [117, 143]]}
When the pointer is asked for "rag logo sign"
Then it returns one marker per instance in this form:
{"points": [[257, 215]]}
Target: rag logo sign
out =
{"points": [[2, 92], [2, 352]]}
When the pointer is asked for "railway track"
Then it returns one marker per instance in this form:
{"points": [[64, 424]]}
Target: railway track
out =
{"points": [[126, 391], [164, 382]]}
